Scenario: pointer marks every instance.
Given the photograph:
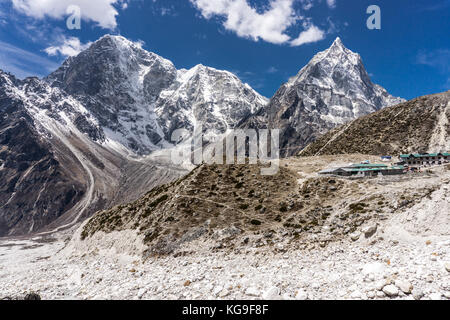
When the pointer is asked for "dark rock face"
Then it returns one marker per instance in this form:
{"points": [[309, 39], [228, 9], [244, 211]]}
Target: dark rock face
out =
{"points": [[332, 89], [35, 189], [105, 79]]}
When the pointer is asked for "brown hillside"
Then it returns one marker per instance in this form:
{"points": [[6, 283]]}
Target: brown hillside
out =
{"points": [[419, 125], [227, 207]]}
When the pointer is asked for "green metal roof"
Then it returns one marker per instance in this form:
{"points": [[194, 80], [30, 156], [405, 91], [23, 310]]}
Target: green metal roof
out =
{"points": [[362, 169], [377, 169], [418, 155], [374, 165]]}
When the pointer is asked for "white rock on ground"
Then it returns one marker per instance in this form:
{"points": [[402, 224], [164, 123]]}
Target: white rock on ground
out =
{"points": [[272, 294], [355, 236], [404, 285], [417, 294], [356, 294], [253, 292], [390, 290], [435, 296], [301, 295]]}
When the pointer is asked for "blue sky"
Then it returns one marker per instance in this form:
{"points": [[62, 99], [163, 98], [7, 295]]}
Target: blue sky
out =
{"points": [[264, 42]]}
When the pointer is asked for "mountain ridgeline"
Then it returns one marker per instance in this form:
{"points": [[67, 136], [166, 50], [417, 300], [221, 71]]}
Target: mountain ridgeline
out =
{"points": [[90, 135], [419, 125], [140, 98]]}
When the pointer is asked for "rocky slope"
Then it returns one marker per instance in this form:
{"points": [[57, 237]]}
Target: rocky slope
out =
{"points": [[332, 89], [55, 172], [231, 206], [419, 125], [36, 189]]}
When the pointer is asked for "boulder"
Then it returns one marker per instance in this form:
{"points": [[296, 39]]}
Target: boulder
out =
{"points": [[404, 285], [390, 290], [369, 230]]}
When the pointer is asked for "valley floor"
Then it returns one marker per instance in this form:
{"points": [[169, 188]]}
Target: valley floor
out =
{"points": [[339, 271], [407, 256]]}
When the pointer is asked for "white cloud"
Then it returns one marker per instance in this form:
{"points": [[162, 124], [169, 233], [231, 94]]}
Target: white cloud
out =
{"points": [[272, 70], [331, 3], [68, 47], [270, 25], [307, 4], [439, 59], [23, 63], [103, 12], [139, 43], [312, 34]]}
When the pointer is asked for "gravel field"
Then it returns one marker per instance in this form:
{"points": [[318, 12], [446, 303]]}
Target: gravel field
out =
{"points": [[388, 269]]}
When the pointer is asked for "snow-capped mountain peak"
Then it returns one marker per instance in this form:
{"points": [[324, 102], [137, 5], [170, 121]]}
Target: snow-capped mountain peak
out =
{"points": [[342, 72], [140, 98], [332, 89], [325, 64]]}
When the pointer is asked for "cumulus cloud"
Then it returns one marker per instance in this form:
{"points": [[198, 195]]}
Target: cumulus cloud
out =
{"points": [[68, 47], [312, 34], [102, 12], [241, 18], [246, 21], [331, 3]]}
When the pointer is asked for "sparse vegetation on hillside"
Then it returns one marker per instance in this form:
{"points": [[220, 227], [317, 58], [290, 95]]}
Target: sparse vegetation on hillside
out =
{"points": [[235, 205], [405, 128]]}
